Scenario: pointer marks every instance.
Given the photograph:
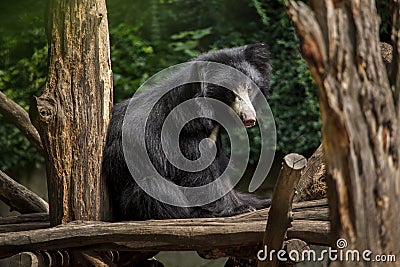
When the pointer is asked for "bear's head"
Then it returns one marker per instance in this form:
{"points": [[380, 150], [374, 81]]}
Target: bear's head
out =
{"points": [[251, 60]]}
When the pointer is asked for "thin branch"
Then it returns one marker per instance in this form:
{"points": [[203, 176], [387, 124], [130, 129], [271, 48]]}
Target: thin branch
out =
{"points": [[20, 198], [15, 114]]}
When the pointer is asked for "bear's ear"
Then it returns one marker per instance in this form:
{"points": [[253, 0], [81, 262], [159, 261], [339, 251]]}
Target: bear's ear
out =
{"points": [[258, 55]]}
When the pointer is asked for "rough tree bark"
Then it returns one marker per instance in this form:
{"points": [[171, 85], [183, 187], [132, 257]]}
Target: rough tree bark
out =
{"points": [[312, 184], [340, 42], [73, 112]]}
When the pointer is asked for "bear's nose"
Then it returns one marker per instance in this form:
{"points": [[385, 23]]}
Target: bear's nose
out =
{"points": [[249, 121]]}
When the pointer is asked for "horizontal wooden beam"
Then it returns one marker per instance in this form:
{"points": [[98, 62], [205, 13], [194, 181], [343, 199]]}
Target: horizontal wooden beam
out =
{"points": [[180, 234], [24, 218], [24, 222]]}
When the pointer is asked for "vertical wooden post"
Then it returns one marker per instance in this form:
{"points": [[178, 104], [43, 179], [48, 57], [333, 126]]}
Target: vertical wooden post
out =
{"points": [[73, 112], [360, 114], [281, 206]]}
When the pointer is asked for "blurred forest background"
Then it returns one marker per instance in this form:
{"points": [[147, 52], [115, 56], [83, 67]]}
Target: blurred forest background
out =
{"points": [[147, 36]]}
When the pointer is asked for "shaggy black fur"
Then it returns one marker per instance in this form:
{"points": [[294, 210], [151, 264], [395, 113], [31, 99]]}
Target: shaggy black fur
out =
{"points": [[129, 201]]}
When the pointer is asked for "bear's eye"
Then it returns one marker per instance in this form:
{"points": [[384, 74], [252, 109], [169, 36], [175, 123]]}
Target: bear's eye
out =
{"points": [[230, 96], [220, 93], [251, 93]]}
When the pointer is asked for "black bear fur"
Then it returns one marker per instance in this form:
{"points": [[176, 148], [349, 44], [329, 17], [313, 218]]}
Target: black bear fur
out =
{"points": [[128, 200]]}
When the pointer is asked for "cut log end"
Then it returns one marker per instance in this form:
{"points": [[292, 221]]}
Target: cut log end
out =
{"points": [[295, 161]]}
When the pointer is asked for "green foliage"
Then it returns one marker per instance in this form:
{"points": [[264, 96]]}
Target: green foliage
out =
{"points": [[135, 59], [20, 79], [16, 152], [261, 11], [293, 96], [188, 41], [132, 59], [383, 7]]}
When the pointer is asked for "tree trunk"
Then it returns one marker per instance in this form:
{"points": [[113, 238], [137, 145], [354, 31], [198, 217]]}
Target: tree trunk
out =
{"points": [[340, 42], [73, 112]]}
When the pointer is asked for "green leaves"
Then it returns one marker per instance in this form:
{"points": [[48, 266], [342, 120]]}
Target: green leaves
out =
{"points": [[293, 97], [188, 41], [131, 57], [22, 75]]}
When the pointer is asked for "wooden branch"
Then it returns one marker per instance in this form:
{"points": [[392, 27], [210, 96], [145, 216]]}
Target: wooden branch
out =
{"points": [[15, 114], [91, 258], [20, 198], [281, 206], [308, 210], [315, 210], [156, 235]]}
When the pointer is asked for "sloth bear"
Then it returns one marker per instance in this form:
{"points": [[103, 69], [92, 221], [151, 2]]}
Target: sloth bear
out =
{"points": [[128, 200]]}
